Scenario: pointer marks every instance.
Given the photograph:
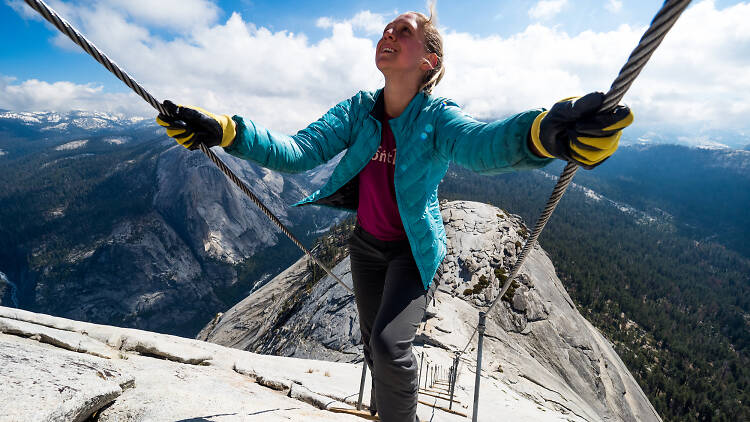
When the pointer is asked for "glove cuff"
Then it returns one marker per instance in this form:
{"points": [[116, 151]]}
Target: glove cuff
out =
{"points": [[535, 135], [228, 128]]}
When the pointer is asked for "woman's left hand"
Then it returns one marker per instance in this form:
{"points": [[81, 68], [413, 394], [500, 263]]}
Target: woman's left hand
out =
{"points": [[192, 126], [575, 130]]}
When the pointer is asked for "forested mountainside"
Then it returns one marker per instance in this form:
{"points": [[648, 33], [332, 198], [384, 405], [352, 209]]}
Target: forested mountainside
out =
{"points": [[677, 307], [705, 191]]}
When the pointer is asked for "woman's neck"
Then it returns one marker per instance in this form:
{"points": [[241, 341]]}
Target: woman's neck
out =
{"points": [[398, 94]]}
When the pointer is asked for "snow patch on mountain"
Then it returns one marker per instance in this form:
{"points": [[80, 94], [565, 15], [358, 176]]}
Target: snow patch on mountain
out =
{"points": [[28, 118], [56, 212], [693, 139], [116, 141], [648, 138], [72, 145], [641, 217], [713, 146], [591, 194], [53, 121], [137, 119], [90, 123], [2, 153], [33, 117], [59, 126]]}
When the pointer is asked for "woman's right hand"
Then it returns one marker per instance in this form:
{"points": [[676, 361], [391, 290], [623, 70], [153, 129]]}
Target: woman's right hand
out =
{"points": [[575, 130], [192, 126]]}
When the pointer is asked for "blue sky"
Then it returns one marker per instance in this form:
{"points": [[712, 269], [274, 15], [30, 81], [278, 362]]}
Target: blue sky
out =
{"points": [[300, 57]]}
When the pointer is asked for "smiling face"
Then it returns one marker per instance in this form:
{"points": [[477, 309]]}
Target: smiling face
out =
{"points": [[401, 48]]}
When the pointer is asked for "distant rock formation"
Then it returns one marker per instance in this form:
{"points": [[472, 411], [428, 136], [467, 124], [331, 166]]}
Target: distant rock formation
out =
{"points": [[186, 247], [537, 344]]}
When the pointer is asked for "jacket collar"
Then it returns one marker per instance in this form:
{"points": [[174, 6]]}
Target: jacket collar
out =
{"points": [[378, 109]]}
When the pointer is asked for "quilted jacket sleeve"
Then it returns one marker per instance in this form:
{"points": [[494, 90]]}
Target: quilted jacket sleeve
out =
{"points": [[310, 147], [487, 148]]}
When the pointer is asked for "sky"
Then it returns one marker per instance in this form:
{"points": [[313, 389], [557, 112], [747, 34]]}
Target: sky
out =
{"points": [[284, 63]]}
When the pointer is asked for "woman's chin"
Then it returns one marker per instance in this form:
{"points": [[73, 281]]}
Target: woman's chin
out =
{"points": [[382, 66]]}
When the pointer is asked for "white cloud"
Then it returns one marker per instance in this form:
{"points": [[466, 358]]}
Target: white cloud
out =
{"points": [[547, 9], [182, 15], [370, 23], [613, 6], [35, 95], [279, 79], [22, 9], [696, 81]]}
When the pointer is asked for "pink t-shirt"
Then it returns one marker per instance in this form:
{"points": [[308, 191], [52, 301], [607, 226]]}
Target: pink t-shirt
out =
{"points": [[377, 212]]}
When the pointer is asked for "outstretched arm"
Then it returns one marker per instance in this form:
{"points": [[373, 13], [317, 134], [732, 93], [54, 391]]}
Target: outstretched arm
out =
{"points": [[487, 148], [310, 147]]}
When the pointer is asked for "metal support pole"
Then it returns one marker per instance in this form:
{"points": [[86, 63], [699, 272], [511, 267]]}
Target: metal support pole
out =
{"points": [[480, 330], [419, 378], [426, 374], [362, 385], [454, 377]]}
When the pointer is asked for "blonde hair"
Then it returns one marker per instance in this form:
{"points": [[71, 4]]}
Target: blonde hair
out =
{"points": [[433, 43]]}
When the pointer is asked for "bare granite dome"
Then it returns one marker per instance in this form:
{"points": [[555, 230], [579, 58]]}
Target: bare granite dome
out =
{"points": [[537, 344]]}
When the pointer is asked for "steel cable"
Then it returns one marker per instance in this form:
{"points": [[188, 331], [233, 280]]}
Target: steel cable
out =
{"points": [[63, 26], [660, 25]]}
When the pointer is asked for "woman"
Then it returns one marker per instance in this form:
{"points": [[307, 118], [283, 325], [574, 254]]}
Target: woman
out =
{"points": [[399, 240]]}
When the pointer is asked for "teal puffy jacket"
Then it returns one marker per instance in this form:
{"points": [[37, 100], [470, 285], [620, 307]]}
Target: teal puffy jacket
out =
{"points": [[429, 134]]}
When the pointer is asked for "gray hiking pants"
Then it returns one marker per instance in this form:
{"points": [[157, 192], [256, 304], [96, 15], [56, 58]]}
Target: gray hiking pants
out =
{"points": [[391, 302]]}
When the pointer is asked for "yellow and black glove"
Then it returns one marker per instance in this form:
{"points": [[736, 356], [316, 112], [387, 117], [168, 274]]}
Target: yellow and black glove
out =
{"points": [[575, 130], [192, 126]]}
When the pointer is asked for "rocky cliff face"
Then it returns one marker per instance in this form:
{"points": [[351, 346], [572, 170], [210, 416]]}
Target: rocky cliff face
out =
{"points": [[216, 220], [60, 370], [189, 248], [138, 227], [537, 344]]}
